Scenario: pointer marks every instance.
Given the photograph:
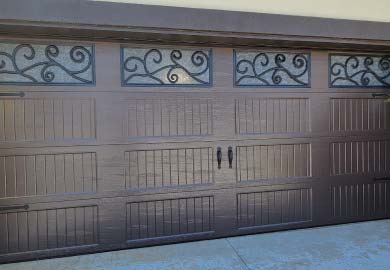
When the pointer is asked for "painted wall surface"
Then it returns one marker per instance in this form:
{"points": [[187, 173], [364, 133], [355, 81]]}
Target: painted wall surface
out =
{"points": [[374, 10]]}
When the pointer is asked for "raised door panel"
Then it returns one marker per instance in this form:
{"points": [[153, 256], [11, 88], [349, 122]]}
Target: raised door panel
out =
{"points": [[359, 200], [262, 115], [275, 207], [41, 119], [359, 114], [43, 227], [47, 174], [169, 117], [266, 162], [169, 167], [47, 119], [360, 157], [169, 217]]}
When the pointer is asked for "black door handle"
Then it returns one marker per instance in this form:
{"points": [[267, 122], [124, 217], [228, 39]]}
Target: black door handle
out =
{"points": [[13, 94], [219, 157], [230, 157], [14, 207]]}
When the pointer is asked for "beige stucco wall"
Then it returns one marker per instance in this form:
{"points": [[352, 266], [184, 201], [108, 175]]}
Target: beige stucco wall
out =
{"points": [[371, 10]]}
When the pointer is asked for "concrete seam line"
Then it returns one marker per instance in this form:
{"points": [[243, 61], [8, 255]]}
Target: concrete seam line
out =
{"points": [[239, 256]]}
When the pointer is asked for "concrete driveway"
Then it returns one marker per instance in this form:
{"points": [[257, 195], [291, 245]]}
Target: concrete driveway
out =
{"points": [[359, 246]]}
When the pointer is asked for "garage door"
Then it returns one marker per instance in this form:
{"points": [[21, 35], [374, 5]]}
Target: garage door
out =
{"points": [[107, 146]]}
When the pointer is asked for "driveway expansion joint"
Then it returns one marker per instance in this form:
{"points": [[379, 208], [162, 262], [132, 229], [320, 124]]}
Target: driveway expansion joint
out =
{"points": [[239, 256]]}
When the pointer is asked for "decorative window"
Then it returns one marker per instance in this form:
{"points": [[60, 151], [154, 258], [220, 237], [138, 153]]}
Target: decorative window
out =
{"points": [[46, 64], [271, 69], [167, 67], [348, 70]]}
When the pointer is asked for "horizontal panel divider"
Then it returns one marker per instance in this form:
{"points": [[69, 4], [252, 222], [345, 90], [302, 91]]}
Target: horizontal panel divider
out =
{"points": [[314, 137], [208, 189]]}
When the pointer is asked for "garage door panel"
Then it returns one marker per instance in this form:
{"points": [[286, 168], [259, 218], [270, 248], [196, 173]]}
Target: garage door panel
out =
{"points": [[169, 117], [360, 157], [281, 114], [169, 167], [292, 115], [257, 162], [266, 161], [360, 200], [47, 119], [359, 114], [169, 217], [261, 115], [276, 207], [47, 174], [116, 166], [57, 172], [44, 227]]}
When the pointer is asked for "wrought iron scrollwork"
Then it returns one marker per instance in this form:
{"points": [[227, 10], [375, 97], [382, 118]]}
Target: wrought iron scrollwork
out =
{"points": [[359, 70], [46, 64], [272, 69], [165, 67]]}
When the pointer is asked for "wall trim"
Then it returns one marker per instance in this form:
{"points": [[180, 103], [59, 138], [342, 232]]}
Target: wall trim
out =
{"points": [[125, 22]]}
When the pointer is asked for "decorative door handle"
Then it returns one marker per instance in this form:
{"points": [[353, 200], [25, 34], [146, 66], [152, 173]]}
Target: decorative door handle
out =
{"points": [[13, 94], [230, 157], [219, 157], [14, 207]]}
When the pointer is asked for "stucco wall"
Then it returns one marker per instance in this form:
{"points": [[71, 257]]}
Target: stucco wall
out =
{"points": [[374, 10]]}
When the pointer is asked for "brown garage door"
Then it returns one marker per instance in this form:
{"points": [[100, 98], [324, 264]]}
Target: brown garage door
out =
{"points": [[107, 146]]}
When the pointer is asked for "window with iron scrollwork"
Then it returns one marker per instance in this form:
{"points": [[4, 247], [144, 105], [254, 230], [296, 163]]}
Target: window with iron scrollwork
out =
{"points": [[271, 69], [46, 64], [165, 67], [347, 70]]}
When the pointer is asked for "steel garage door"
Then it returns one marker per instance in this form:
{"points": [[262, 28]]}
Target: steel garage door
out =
{"points": [[107, 146]]}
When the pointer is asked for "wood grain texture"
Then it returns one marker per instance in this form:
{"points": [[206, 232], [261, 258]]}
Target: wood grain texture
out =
{"points": [[151, 219], [359, 114], [45, 119], [169, 167], [273, 161], [360, 157], [148, 147], [360, 200], [44, 174], [48, 229], [174, 117], [272, 115], [274, 207]]}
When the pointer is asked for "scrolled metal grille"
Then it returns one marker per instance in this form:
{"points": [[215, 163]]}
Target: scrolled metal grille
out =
{"points": [[270, 69], [359, 70], [152, 66], [46, 64]]}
